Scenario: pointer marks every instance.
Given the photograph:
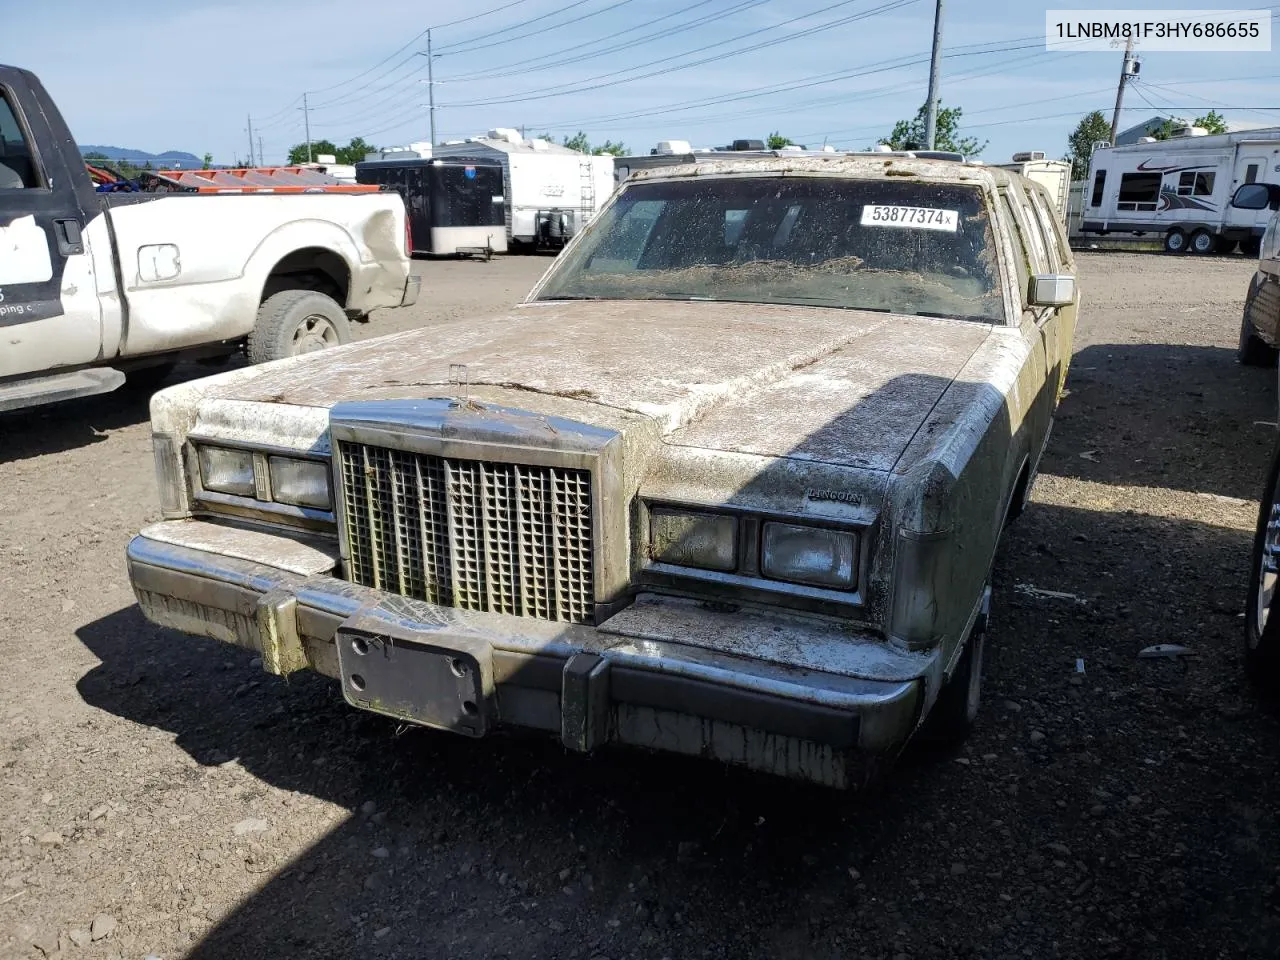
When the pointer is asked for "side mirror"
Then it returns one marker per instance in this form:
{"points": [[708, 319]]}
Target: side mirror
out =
{"points": [[1052, 290], [1257, 196]]}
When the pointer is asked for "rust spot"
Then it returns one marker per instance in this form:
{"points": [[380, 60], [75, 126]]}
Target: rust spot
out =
{"points": [[901, 173]]}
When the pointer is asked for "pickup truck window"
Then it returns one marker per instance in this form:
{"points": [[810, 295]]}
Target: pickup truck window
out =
{"points": [[17, 163], [896, 245]]}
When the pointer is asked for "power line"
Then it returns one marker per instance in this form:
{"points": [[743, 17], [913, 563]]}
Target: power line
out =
{"points": [[509, 69], [471, 46], [592, 84]]}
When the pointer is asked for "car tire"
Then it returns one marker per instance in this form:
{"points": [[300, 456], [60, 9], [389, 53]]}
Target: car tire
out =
{"points": [[1251, 246], [1253, 351], [293, 322], [1175, 241], [955, 711], [1202, 242], [1262, 612]]}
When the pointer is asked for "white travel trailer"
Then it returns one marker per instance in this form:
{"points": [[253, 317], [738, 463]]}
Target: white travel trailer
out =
{"points": [[551, 191], [1182, 188]]}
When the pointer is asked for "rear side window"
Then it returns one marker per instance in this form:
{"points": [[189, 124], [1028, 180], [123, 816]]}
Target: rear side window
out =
{"points": [[1099, 181], [17, 160]]}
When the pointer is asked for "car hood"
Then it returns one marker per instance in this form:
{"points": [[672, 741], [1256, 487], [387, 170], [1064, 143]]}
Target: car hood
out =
{"points": [[837, 386]]}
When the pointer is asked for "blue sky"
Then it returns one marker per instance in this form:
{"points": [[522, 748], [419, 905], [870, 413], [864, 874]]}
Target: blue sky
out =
{"points": [[186, 75]]}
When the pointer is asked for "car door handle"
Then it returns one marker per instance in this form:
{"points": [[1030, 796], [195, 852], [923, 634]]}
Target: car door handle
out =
{"points": [[70, 240]]}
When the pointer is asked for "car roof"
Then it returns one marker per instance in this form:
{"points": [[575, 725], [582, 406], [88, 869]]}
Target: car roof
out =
{"points": [[867, 166]]}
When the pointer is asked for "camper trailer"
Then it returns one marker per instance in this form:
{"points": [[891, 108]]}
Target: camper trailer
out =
{"points": [[550, 191], [1053, 175], [454, 207], [1181, 188]]}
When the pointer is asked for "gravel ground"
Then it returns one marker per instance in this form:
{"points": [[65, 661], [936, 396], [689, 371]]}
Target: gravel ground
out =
{"points": [[161, 795]]}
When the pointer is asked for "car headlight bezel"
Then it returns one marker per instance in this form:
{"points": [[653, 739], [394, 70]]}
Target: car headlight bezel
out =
{"points": [[749, 579], [263, 501]]}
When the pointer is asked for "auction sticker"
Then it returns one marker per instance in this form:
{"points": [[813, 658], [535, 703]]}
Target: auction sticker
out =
{"points": [[911, 218]]}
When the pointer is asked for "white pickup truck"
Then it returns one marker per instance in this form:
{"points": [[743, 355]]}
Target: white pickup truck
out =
{"points": [[94, 286]]}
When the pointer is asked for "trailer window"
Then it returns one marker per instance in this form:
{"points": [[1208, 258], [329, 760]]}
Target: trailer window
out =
{"points": [[1192, 184], [1139, 191], [1251, 173], [1099, 181], [17, 162]]}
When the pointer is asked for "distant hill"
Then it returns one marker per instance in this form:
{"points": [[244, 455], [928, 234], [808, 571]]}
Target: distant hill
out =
{"points": [[168, 158]]}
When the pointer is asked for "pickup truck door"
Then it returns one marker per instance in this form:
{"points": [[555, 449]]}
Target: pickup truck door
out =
{"points": [[50, 314]]}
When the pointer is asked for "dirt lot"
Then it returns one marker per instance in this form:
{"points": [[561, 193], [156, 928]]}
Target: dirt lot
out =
{"points": [[198, 807]]}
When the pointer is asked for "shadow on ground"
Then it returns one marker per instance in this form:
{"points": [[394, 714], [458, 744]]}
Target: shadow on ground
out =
{"points": [[1086, 812], [1163, 415], [57, 427]]}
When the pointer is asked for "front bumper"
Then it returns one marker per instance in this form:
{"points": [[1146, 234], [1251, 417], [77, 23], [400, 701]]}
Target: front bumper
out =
{"points": [[790, 695]]}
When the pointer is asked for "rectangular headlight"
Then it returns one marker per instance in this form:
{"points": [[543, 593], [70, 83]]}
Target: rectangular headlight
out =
{"points": [[224, 470], [301, 483], [689, 539], [810, 555]]}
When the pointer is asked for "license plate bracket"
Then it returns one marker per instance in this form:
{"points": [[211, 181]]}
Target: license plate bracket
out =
{"points": [[427, 677]]}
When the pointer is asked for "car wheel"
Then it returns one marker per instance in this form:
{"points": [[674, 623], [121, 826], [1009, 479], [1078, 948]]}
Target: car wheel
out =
{"points": [[293, 322], [956, 709], [1251, 246], [1262, 612], [1202, 242], [1175, 241], [1253, 351]]}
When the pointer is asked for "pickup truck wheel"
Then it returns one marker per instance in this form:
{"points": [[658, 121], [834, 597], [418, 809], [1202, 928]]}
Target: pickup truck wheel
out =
{"points": [[1262, 611], [294, 322], [954, 712], [1175, 241], [1253, 351]]}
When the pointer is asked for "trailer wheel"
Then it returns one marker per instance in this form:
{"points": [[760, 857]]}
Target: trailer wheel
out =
{"points": [[1202, 242], [1175, 241], [294, 322]]}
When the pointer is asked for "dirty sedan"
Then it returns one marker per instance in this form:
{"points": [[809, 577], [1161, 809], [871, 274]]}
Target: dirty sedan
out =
{"points": [[730, 482]]}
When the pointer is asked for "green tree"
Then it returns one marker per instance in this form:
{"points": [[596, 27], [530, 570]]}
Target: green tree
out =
{"points": [[910, 134], [299, 153], [355, 151], [578, 142], [207, 160], [616, 149], [1092, 128], [777, 141], [1212, 121]]}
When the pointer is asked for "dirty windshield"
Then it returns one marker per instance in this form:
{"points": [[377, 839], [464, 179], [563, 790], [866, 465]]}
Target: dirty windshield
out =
{"points": [[897, 245]]}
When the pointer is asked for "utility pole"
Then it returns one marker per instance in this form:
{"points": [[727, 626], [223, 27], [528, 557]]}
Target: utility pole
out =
{"points": [[261, 162], [1124, 76], [431, 88], [306, 119], [931, 108], [251, 141]]}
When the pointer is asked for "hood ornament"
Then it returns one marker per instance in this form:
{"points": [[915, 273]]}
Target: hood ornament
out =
{"points": [[460, 385]]}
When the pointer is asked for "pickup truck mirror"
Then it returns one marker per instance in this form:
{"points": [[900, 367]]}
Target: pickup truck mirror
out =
{"points": [[1257, 196], [1052, 290]]}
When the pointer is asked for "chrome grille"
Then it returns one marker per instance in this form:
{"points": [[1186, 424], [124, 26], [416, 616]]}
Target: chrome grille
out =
{"points": [[497, 537]]}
